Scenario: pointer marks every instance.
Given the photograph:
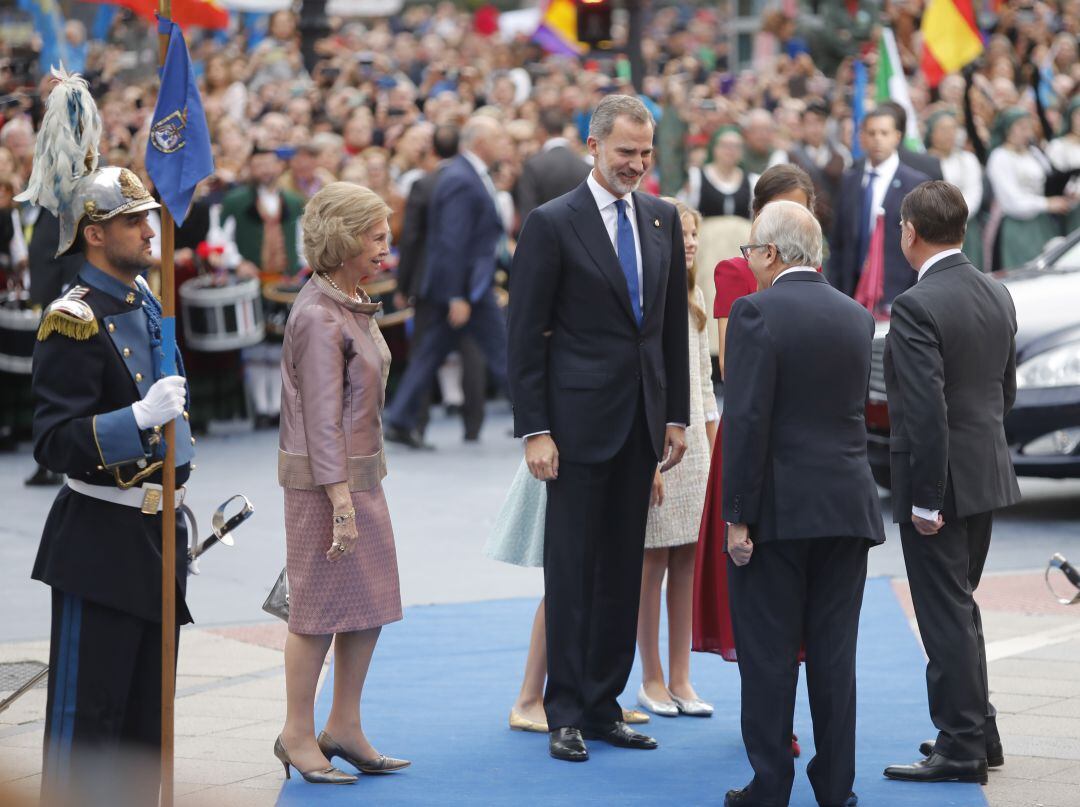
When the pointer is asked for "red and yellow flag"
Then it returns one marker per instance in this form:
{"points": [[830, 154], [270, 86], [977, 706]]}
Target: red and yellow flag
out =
{"points": [[951, 38]]}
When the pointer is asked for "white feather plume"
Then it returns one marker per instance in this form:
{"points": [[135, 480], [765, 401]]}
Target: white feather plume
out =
{"points": [[67, 144]]}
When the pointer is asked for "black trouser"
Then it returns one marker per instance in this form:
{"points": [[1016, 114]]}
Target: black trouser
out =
{"points": [[594, 545], [943, 572], [103, 714], [486, 325], [474, 375], [806, 591]]}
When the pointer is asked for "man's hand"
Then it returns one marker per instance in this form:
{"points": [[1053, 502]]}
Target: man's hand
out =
{"points": [[460, 311], [926, 527], [657, 497], [739, 545], [674, 447], [542, 457]]}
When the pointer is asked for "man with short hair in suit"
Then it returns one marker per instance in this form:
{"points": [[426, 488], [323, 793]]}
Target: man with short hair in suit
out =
{"points": [[923, 163], [801, 505], [879, 182], [950, 374], [456, 292], [600, 382], [412, 252], [555, 170], [822, 159]]}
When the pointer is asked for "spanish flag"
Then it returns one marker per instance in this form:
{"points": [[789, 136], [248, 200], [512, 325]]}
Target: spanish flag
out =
{"points": [[951, 38]]}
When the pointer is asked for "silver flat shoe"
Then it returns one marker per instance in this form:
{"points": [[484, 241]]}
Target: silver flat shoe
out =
{"points": [[381, 764], [668, 709], [694, 708]]}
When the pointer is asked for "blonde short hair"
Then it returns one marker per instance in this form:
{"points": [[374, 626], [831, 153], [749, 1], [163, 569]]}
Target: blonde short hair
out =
{"points": [[335, 221]]}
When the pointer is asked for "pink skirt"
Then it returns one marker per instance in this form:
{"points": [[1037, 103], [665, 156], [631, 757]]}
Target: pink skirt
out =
{"points": [[358, 592]]}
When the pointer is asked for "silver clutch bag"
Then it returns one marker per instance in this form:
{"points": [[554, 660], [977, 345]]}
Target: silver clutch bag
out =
{"points": [[277, 601]]}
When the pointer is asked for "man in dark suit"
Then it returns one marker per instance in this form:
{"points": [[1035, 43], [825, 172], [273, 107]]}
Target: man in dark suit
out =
{"points": [[950, 372], [455, 294], [801, 505], [923, 163], [412, 251], [821, 159], [555, 170], [879, 182], [599, 376]]}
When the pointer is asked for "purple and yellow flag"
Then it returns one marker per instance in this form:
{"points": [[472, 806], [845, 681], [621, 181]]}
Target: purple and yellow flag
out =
{"points": [[557, 32]]}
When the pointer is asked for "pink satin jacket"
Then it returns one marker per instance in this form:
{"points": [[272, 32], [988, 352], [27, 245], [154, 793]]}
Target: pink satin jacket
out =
{"points": [[334, 366]]}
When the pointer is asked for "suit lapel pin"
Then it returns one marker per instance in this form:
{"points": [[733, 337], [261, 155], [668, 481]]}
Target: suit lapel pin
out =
{"points": [[896, 183], [656, 222]]}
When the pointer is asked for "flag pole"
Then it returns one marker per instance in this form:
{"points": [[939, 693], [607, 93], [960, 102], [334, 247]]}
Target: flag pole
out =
{"points": [[168, 483]]}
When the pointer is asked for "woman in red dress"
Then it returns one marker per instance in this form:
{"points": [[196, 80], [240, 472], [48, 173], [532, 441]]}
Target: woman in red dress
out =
{"points": [[712, 617]]}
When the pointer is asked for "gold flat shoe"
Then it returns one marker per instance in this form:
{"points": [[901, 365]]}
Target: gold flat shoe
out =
{"points": [[381, 764], [326, 776], [520, 723], [634, 716]]}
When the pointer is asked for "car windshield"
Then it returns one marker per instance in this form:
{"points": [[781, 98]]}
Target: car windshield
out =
{"points": [[1070, 260]]}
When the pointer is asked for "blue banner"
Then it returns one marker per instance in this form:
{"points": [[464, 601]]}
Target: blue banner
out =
{"points": [[178, 154], [858, 110]]}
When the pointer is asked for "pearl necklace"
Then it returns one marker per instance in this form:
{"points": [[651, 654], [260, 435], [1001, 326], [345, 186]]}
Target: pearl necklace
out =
{"points": [[330, 279]]}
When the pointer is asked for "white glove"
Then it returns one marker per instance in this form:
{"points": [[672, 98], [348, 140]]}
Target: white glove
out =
{"points": [[164, 401]]}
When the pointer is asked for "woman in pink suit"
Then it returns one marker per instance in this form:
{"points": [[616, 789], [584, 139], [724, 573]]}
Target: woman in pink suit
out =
{"points": [[341, 561]]}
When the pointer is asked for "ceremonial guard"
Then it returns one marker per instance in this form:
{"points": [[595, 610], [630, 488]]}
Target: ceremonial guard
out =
{"points": [[102, 400]]}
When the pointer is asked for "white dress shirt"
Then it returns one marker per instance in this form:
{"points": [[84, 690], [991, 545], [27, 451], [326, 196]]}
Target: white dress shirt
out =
{"points": [[922, 512], [885, 173], [481, 168], [605, 200]]}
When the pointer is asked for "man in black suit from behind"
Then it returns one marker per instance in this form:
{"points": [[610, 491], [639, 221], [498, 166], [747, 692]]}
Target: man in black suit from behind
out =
{"points": [[801, 505], [600, 382], [412, 251], [555, 170], [879, 181], [950, 374], [457, 286]]}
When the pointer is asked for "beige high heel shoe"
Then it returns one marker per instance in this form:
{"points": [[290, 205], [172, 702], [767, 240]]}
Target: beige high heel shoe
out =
{"points": [[326, 776], [381, 764]]}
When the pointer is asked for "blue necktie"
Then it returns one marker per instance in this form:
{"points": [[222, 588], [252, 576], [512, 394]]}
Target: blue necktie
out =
{"points": [[866, 218], [624, 241]]}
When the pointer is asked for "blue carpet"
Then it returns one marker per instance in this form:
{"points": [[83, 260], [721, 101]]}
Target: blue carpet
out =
{"points": [[442, 682]]}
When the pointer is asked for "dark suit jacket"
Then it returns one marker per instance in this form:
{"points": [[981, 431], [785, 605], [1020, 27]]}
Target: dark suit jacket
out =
{"points": [[795, 379], [583, 382], [923, 163], [412, 245], [463, 235], [950, 373], [546, 176], [49, 275], [844, 266]]}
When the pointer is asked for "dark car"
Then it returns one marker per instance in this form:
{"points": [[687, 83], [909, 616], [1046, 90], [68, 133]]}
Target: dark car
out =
{"points": [[1043, 428]]}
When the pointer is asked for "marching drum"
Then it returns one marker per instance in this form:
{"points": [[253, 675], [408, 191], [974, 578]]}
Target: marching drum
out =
{"points": [[278, 298], [382, 291], [219, 318], [18, 332]]}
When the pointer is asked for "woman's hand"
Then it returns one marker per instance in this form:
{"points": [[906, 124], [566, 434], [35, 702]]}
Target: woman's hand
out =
{"points": [[345, 538], [657, 497]]}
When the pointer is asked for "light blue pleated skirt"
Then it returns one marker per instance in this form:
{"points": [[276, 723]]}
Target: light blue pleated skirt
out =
{"points": [[518, 534]]}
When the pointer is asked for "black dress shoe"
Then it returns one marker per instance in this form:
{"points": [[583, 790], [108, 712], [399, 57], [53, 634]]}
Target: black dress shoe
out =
{"points": [[44, 478], [406, 437], [621, 736], [739, 798], [995, 754], [566, 744], [936, 768]]}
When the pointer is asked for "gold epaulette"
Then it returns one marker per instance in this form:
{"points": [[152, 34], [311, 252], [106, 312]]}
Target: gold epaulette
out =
{"points": [[69, 316]]}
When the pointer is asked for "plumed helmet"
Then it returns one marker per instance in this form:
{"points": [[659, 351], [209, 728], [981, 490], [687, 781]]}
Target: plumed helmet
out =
{"points": [[66, 179]]}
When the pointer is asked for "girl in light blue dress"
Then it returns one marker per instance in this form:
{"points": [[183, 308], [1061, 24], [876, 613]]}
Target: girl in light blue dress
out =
{"points": [[518, 538]]}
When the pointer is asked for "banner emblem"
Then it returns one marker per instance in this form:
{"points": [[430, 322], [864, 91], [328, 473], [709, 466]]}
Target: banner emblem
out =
{"points": [[167, 135]]}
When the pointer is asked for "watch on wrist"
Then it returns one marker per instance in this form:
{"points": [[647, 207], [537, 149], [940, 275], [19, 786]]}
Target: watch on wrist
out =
{"points": [[340, 520]]}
